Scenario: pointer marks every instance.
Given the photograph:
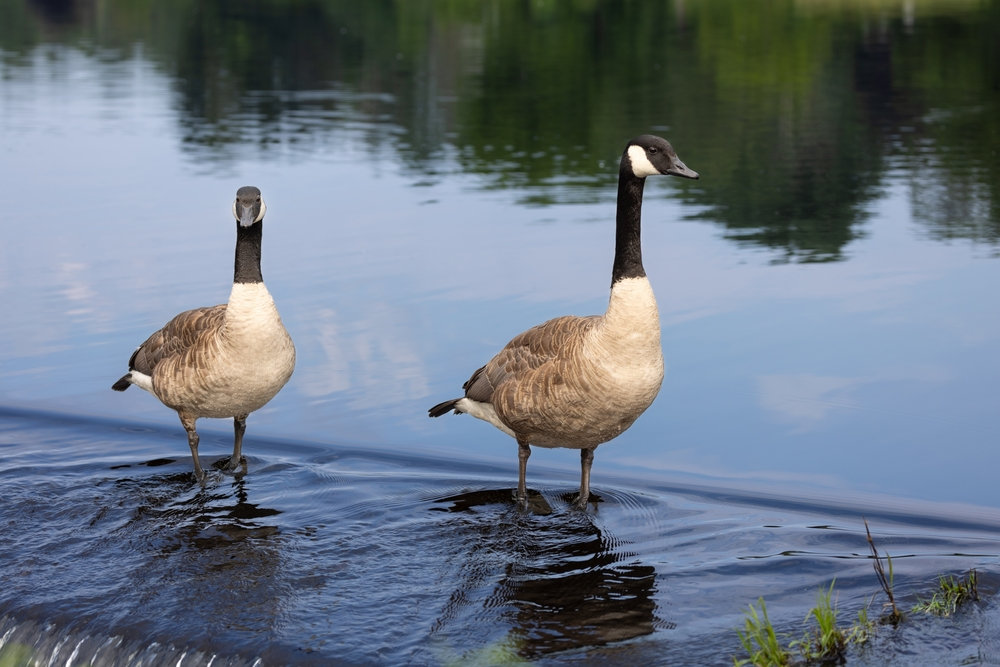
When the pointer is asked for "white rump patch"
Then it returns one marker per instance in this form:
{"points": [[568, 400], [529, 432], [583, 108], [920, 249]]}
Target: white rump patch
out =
{"points": [[641, 166], [484, 411], [141, 380]]}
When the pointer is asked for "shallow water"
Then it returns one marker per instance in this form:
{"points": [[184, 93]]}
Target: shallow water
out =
{"points": [[433, 188], [368, 555]]}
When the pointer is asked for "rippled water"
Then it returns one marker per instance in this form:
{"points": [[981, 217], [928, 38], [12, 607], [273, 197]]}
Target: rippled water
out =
{"points": [[826, 292], [364, 554]]}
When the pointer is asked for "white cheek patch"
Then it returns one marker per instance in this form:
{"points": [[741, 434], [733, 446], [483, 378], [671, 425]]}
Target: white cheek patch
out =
{"points": [[260, 216], [641, 166]]}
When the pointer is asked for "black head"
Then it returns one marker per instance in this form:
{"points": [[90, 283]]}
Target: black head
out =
{"points": [[649, 155], [248, 208]]}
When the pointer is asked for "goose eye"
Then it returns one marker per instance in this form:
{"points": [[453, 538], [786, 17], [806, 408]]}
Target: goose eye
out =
{"points": [[652, 150]]}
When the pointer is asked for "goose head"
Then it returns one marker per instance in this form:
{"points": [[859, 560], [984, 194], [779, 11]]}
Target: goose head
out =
{"points": [[649, 155], [249, 208]]}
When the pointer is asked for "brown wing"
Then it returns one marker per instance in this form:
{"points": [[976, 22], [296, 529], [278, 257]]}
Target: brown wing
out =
{"points": [[525, 353], [543, 390], [175, 337]]}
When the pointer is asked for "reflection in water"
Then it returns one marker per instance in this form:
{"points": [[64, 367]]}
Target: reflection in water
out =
{"points": [[798, 146], [181, 563], [209, 555], [557, 582], [805, 400], [380, 367]]}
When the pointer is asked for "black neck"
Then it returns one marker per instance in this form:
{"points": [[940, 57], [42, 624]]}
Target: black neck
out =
{"points": [[628, 246], [248, 253]]}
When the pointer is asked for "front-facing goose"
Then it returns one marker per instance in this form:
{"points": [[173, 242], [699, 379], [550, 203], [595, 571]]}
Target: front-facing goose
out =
{"points": [[220, 361], [578, 382]]}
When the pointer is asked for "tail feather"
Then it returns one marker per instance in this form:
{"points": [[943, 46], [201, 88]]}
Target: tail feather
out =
{"points": [[123, 383], [444, 408]]}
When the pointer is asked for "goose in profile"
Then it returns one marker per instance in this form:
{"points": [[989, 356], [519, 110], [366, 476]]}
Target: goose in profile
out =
{"points": [[220, 361], [577, 382]]}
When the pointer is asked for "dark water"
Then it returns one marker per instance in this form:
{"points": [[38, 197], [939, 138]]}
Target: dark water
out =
{"points": [[365, 555], [439, 177]]}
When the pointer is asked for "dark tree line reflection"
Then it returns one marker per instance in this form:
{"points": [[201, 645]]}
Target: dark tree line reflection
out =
{"points": [[796, 115]]}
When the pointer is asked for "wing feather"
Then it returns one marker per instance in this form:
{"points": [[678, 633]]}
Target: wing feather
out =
{"points": [[175, 337], [526, 353]]}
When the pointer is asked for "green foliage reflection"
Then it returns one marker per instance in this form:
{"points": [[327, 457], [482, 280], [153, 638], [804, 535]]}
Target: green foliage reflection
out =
{"points": [[797, 114]]}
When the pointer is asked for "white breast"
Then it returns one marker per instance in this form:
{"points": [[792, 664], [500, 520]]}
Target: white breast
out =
{"points": [[242, 366], [627, 344]]}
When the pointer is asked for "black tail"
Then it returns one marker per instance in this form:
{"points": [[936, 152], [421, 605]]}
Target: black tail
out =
{"points": [[443, 408], [123, 383]]}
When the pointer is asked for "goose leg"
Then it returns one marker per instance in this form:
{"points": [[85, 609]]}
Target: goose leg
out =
{"points": [[239, 428], [523, 452], [586, 460], [187, 421]]}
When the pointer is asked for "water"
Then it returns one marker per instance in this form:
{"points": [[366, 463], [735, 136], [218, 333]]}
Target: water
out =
{"points": [[365, 554], [434, 188]]}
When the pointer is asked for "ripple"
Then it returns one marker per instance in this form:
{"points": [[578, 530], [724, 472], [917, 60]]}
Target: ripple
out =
{"points": [[425, 555]]}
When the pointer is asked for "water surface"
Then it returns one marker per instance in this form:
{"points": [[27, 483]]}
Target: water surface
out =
{"points": [[439, 179]]}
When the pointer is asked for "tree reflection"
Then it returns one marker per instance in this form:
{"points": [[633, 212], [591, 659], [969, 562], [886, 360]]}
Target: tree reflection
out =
{"points": [[798, 114]]}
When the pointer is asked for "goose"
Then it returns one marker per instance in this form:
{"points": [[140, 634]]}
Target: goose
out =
{"points": [[220, 361], [578, 382]]}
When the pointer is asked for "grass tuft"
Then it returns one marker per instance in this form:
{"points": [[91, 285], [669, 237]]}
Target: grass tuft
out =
{"points": [[760, 641], [951, 593], [827, 641], [862, 630]]}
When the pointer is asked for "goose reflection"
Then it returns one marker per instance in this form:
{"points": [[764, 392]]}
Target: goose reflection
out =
{"points": [[205, 559], [557, 584], [186, 511]]}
